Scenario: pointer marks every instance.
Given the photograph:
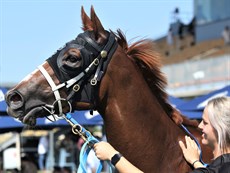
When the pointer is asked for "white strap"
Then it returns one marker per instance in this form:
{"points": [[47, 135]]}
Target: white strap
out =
{"points": [[78, 77], [53, 87]]}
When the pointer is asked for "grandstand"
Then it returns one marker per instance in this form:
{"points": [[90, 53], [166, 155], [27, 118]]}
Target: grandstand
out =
{"points": [[199, 61]]}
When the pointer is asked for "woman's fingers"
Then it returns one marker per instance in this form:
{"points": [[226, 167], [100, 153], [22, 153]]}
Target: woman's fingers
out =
{"points": [[189, 149], [188, 141], [182, 146]]}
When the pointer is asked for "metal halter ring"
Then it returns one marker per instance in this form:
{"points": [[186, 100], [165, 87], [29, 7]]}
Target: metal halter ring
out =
{"points": [[61, 99], [77, 129], [93, 81], [96, 61], [76, 87]]}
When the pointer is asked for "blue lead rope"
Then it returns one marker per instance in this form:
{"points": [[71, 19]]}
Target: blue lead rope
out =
{"points": [[199, 147], [89, 139]]}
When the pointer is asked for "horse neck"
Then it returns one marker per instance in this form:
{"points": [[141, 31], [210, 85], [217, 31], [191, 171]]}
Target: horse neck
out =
{"points": [[132, 115]]}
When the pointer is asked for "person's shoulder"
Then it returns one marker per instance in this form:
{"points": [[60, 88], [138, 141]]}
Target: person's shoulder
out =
{"points": [[225, 168], [201, 170]]}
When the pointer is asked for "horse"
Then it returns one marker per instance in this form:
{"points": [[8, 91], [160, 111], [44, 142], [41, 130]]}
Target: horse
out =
{"points": [[99, 70]]}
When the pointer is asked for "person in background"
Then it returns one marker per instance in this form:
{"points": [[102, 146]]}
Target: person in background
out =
{"points": [[226, 35], [78, 147], [176, 14], [215, 133], [169, 41], [43, 146]]}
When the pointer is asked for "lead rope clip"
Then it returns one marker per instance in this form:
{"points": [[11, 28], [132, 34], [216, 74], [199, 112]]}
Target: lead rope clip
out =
{"points": [[89, 139]]}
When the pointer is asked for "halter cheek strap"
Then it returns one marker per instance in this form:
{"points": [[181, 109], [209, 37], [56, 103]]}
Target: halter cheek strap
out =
{"points": [[54, 88]]}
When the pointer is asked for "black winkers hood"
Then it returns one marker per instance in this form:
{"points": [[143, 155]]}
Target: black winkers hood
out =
{"points": [[89, 50]]}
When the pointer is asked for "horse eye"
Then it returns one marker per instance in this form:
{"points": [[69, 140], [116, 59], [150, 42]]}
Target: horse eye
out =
{"points": [[72, 58]]}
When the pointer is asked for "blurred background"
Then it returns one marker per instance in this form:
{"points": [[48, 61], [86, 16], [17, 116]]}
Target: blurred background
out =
{"points": [[194, 43]]}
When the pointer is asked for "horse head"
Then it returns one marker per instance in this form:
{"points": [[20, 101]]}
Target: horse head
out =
{"points": [[69, 79]]}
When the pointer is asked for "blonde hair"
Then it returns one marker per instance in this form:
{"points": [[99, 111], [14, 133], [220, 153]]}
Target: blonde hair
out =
{"points": [[219, 116]]}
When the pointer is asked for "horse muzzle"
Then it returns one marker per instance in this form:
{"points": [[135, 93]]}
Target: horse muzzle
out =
{"points": [[15, 104], [14, 100]]}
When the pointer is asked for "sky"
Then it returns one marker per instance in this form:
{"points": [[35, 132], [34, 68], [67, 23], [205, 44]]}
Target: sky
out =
{"points": [[32, 30]]}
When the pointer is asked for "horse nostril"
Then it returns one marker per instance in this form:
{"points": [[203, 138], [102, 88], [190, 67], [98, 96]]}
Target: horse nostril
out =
{"points": [[14, 100]]}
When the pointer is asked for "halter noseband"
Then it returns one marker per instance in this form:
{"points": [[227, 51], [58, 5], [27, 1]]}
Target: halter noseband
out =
{"points": [[94, 70]]}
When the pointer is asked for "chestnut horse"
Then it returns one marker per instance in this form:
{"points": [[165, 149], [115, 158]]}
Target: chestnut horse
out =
{"points": [[99, 71]]}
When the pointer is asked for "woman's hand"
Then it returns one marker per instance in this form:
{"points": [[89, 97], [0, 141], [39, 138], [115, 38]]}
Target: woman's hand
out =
{"points": [[104, 151], [191, 152]]}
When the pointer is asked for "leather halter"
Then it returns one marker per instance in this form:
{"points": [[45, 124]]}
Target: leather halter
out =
{"points": [[88, 78]]}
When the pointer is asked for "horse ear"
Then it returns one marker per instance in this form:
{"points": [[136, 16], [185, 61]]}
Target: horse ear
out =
{"points": [[98, 29], [87, 24]]}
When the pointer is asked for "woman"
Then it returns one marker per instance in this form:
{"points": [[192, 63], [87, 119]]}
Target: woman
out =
{"points": [[215, 126]]}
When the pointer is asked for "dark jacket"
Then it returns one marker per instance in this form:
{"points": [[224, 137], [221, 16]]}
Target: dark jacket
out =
{"points": [[220, 165]]}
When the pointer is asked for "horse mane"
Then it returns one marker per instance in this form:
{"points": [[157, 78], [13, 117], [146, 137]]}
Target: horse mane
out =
{"points": [[143, 54]]}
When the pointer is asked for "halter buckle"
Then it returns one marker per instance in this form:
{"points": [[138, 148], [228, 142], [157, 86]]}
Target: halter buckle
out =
{"points": [[93, 82]]}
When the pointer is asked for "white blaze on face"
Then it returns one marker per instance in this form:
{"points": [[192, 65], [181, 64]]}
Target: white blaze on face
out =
{"points": [[29, 75]]}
